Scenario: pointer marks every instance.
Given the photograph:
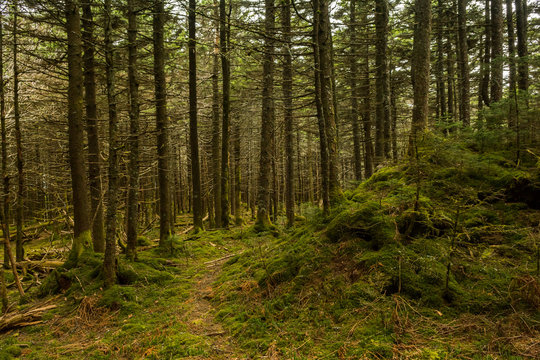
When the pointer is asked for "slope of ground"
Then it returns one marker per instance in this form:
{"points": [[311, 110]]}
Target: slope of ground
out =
{"points": [[435, 258]]}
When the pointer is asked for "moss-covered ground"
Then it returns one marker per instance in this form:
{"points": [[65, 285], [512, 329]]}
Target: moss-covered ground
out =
{"points": [[431, 258]]}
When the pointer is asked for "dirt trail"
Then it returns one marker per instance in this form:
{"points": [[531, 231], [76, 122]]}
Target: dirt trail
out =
{"points": [[200, 318]]}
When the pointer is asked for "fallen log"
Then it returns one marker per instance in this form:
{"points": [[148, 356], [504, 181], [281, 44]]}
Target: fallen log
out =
{"points": [[23, 318]]}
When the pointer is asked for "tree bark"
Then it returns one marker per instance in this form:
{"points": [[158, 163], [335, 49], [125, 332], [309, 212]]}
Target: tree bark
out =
{"points": [[320, 114], [81, 218], [92, 130], [216, 154], [237, 176], [496, 51], [133, 166], [288, 111], [357, 157], [109, 262], [511, 65], [165, 226], [193, 131], [382, 116], [19, 249], [464, 86], [267, 119], [522, 49], [420, 69], [226, 103], [9, 259], [365, 95], [327, 99], [487, 56]]}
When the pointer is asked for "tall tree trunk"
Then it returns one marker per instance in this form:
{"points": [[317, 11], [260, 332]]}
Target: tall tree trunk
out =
{"points": [[226, 90], [109, 262], [288, 111], [487, 55], [92, 130], [9, 259], [237, 176], [193, 133], [81, 215], [464, 86], [496, 50], [133, 166], [216, 154], [5, 175], [365, 95], [511, 65], [19, 250], [522, 50], [381, 81], [439, 69], [420, 69], [357, 160], [267, 125], [450, 61], [327, 99], [165, 225], [320, 114]]}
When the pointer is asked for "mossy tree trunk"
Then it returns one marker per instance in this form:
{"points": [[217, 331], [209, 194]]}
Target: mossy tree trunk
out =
{"points": [[226, 104], [267, 126], [165, 226], [92, 130], [133, 166], [109, 262], [193, 131], [81, 230]]}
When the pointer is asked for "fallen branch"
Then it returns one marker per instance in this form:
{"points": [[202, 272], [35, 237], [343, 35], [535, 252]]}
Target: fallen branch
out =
{"points": [[191, 227], [23, 318], [213, 262]]}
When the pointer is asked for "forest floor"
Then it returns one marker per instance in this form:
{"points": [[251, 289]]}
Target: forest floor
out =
{"points": [[437, 258], [165, 312]]}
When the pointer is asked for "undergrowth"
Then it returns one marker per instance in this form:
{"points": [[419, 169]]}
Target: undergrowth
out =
{"points": [[434, 257]]}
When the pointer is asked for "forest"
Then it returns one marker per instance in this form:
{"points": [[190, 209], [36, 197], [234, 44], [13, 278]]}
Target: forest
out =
{"points": [[277, 179]]}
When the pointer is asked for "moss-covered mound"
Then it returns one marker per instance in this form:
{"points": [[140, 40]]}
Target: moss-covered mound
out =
{"points": [[435, 257]]}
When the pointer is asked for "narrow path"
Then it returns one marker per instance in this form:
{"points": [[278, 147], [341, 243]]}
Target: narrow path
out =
{"points": [[200, 318]]}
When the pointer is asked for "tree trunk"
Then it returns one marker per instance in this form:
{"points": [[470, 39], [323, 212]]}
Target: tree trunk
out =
{"points": [[133, 166], [496, 50], [521, 31], [420, 69], [165, 226], [19, 250], [81, 218], [109, 262], [226, 89], [216, 154], [193, 131], [365, 95], [320, 114], [288, 111], [381, 81], [92, 131], [464, 86], [267, 125], [237, 177], [439, 69], [511, 65], [327, 99], [487, 56], [9, 259], [357, 158]]}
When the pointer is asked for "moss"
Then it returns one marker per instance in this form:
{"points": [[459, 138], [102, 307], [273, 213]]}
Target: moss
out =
{"points": [[118, 297]]}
